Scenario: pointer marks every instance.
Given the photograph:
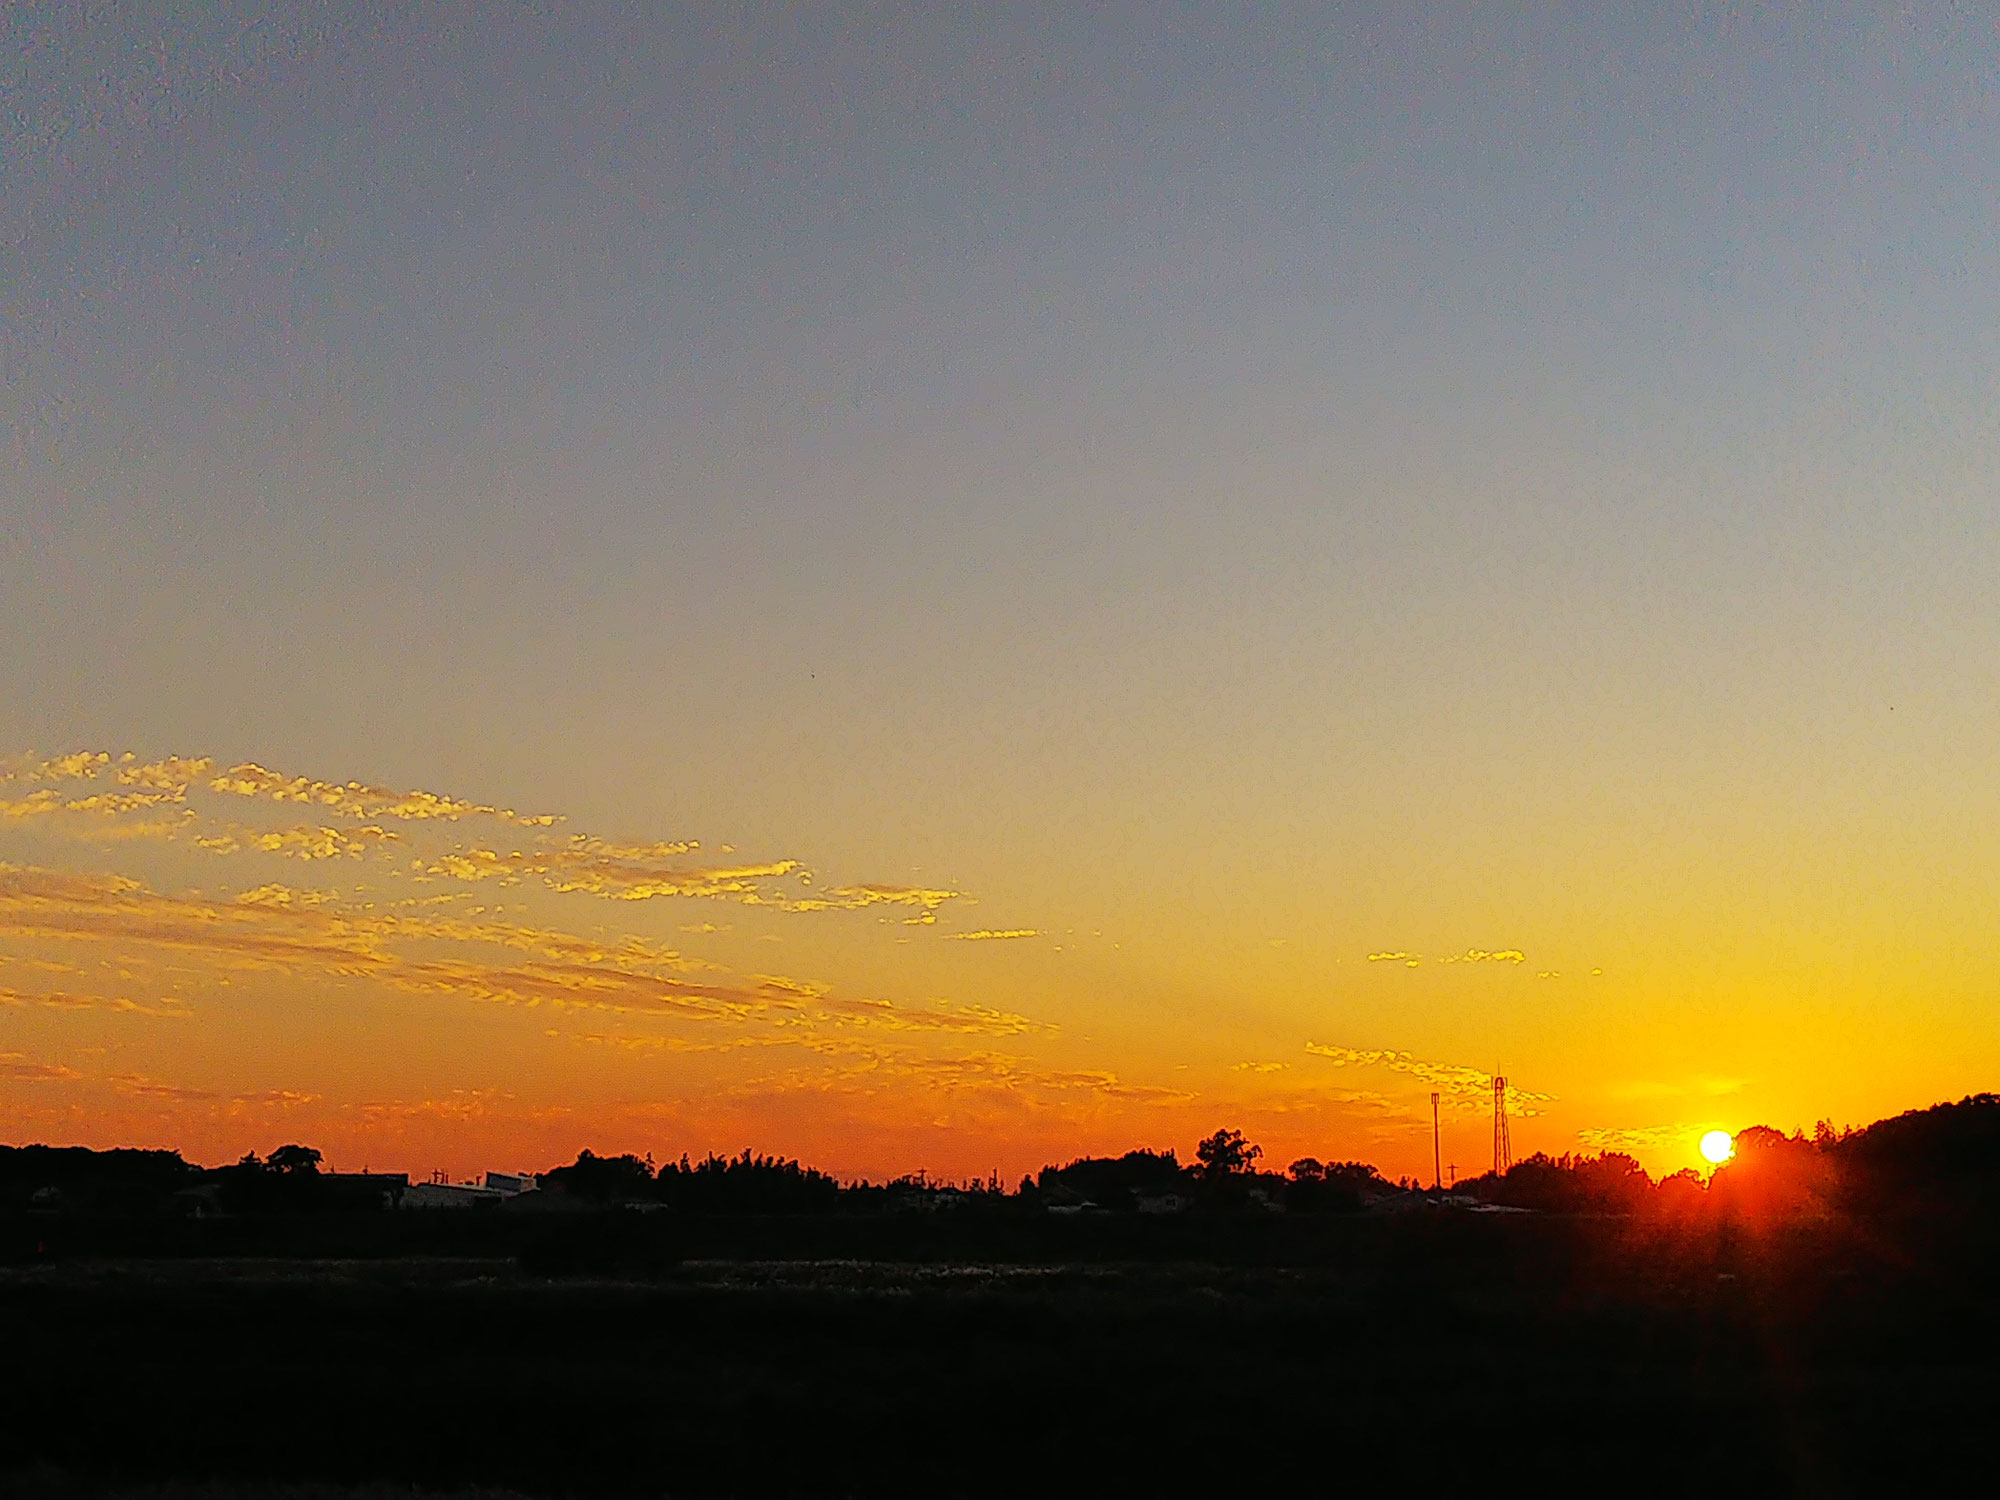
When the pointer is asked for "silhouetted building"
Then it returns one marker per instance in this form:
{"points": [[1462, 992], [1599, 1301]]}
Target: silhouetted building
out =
{"points": [[450, 1195]]}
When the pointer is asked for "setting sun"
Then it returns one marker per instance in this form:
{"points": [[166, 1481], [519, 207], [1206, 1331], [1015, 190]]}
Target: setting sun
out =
{"points": [[1717, 1147]]}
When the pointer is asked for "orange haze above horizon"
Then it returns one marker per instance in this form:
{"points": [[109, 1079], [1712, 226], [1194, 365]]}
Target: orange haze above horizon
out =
{"points": [[219, 957]]}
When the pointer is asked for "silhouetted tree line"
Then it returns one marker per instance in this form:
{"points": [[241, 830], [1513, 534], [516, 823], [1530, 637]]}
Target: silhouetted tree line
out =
{"points": [[1112, 1182], [747, 1184], [76, 1177], [1946, 1157], [1942, 1159]]}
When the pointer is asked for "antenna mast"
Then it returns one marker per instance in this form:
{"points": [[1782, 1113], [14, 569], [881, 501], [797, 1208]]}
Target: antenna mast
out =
{"points": [[1503, 1147]]}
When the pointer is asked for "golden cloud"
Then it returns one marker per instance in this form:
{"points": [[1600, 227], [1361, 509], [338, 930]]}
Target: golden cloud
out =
{"points": [[46, 801], [1447, 1078], [172, 774], [76, 764], [1640, 1138], [50, 904], [167, 1009], [300, 843], [356, 799], [856, 897], [994, 934], [274, 931], [624, 882], [353, 826]]}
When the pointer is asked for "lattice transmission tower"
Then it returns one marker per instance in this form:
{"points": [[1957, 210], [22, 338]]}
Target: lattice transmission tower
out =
{"points": [[1503, 1147]]}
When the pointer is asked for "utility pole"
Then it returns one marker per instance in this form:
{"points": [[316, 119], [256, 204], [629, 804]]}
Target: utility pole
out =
{"points": [[1437, 1151]]}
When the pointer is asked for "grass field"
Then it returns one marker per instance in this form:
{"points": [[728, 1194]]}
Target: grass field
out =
{"points": [[1525, 1354]]}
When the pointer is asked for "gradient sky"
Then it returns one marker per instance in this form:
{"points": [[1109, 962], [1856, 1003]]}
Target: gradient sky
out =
{"points": [[1171, 566]]}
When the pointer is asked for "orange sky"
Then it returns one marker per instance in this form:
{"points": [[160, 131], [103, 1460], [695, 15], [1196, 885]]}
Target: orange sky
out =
{"points": [[218, 957]]}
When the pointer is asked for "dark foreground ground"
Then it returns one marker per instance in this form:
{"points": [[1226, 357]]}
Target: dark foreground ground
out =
{"points": [[1508, 1354]]}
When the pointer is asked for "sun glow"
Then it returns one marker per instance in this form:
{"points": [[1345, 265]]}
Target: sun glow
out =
{"points": [[1717, 1147]]}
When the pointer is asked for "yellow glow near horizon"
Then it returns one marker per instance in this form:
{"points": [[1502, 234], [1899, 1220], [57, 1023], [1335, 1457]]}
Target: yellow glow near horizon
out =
{"points": [[1717, 1147], [201, 953]]}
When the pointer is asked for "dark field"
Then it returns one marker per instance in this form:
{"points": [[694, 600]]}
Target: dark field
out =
{"points": [[632, 1356]]}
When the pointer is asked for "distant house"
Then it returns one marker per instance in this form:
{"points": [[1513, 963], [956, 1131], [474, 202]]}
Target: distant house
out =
{"points": [[202, 1201], [1162, 1203], [355, 1190], [546, 1201], [493, 1188], [449, 1195]]}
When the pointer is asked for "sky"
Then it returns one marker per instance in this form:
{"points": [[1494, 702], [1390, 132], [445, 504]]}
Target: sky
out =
{"points": [[926, 588]]}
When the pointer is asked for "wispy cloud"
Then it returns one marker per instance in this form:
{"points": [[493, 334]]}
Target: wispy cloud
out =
{"points": [[1448, 1078], [356, 799], [1469, 956], [624, 872], [15, 1067], [1640, 1138], [300, 843], [172, 774], [170, 779], [456, 1105], [991, 1074], [73, 764], [675, 1044], [166, 1009], [860, 897], [141, 1087], [272, 931], [628, 872], [92, 796]]}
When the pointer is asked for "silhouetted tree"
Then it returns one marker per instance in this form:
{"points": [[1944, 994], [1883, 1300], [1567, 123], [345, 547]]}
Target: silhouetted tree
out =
{"points": [[1318, 1187], [1611, 1183], [1680, 1196], [1115, 1181], [1226, 1154], [295, 1161], [1774, 1174], [603, 1179], [1946, 1157], [288, 1181]]}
